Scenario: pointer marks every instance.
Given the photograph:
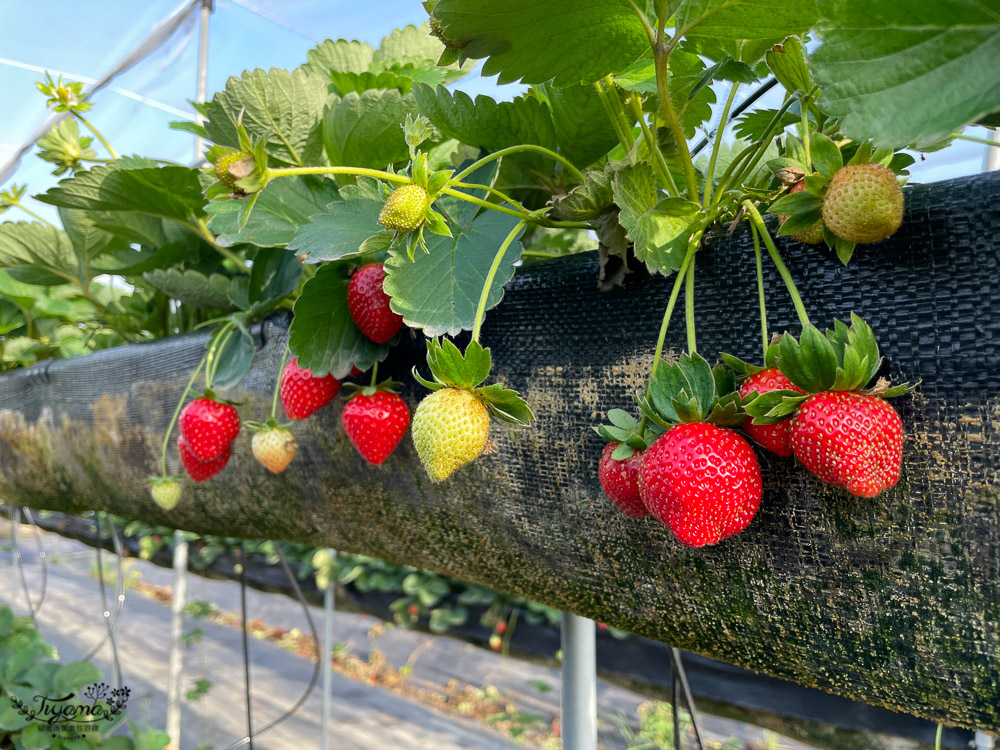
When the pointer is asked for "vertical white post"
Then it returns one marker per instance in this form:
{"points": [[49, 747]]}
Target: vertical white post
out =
{"points": [[176, 674], [326, 651], [579, 683], [985, 741], [991, 161], [176, 633]]}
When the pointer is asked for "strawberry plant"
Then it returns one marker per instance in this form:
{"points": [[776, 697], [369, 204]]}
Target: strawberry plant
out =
{"points": [[378, 203]]}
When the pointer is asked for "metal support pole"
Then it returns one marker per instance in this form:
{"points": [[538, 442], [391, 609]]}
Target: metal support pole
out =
{"points": [[991, 162], [579, 683], [326, 652], [207, 6], [985, 741], [176, 633]]}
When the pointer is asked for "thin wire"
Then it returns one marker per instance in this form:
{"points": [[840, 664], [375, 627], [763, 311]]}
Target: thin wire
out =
{"points": [[276, 21], [246, 644], [43, 563], [316, 670], [110, 626], [738, 110], [680, 675], [14, 513]]}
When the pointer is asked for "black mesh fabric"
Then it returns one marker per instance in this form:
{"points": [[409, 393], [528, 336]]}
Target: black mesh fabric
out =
{"points": [[893, 600]]}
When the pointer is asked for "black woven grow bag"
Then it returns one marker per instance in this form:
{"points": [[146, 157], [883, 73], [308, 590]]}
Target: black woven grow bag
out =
{"points": [[894, 600]]}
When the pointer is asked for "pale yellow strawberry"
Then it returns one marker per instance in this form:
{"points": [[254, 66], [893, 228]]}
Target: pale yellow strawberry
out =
{"points": [[404, 210], [450, 428], [166, 494], [275, 448]]}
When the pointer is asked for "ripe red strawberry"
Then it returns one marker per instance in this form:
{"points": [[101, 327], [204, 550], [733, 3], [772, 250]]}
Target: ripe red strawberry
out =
{"points": [[702, 481], [302, 394], [209, 427], [620, 481], [369, 305], [197, 469], [850, 440], [775, 437], [375, 424]]}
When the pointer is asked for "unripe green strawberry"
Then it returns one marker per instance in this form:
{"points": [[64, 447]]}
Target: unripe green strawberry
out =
{"points": [[166, 493], [274, 448], [222, 165], [404, 210], [450, 429], [863, 203]]}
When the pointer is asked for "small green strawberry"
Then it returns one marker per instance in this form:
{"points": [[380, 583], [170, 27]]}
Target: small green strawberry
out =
{"points": [[450, 428], [405, 209], [166, 492], [863, 203], [223, 164]]}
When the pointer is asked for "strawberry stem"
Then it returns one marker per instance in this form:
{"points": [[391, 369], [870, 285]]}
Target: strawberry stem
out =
{"points": [[484, 297], [689, 308], [652, 146], [277, 383], [221, 339], [674, 294], [177, 412], [804, 104], [515, 149], [710, 174], [96, 132], [793, 291], [374, 372], [617, 117], [760, 287]]}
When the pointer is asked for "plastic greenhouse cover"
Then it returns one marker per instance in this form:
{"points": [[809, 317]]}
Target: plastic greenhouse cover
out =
{"points": [[85, 40]]}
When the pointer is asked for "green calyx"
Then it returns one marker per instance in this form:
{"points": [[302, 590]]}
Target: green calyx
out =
{"points": [[270, 424], [691, 390], [742, 370], [241, 172], [387, 386], [844, 359], [629, 432], [450, 368]]}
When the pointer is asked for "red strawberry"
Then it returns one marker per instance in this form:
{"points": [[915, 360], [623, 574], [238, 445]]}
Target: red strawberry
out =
{"points": [[620, 481], [302, 394], [850, 440], [369, 305], [702, 481], [375, 424], [197, 469], [354, 371], [209, 427], [775, 437]]}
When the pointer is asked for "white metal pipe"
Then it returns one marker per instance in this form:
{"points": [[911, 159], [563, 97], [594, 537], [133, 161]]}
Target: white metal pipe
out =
{"points": [[579, 683], [206, 13], [991, 162], [176, 674], [326, 651], [985, 741]]}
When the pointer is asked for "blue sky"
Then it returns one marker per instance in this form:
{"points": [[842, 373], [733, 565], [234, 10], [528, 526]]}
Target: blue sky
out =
{"points": [[86, 38]]}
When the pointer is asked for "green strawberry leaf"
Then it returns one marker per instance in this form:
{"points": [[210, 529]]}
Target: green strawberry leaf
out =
{"points": [[701, 381], [284, 110], [192, 287], [339, 56], [582, 128], [323, 334], [171, 192], [282, 207], [589, 199], [234, 357], [898, 390], [659, 228], [363, 130], [826, 157], [622, 419], [622, 452], [347, 82], [888, 69], [738, 366], [44, 252], [744, 19], [753, 125], [343, 229], [439, 290], [505, 405], [864, 154], [274, 275], [537, 42]]}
